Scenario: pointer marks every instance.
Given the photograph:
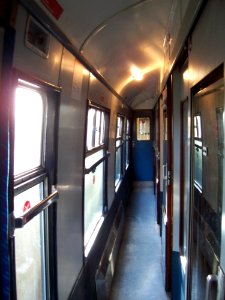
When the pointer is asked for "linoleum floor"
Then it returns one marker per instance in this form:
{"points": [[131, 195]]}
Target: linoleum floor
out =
{"points": [[138, 274]]}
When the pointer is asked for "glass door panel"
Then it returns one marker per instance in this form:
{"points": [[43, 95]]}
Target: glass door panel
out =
{"points": [[208, 147]]}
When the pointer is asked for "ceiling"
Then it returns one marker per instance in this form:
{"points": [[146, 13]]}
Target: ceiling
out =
{"points": [[115, 35]]}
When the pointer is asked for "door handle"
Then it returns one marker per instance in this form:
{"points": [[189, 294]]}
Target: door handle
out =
{"points": [[210, 279]]}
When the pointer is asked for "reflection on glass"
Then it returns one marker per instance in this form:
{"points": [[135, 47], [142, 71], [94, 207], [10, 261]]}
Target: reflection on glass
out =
{"points": [[119, 130], [197, 127], [29, 249], [143, 129], [198, 164], [208, 174], [29, 111], [93, 201]]}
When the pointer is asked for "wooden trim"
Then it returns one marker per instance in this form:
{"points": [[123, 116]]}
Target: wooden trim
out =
{"points": [[169, 225], [181, 223], [158, 167], [211, 78]]}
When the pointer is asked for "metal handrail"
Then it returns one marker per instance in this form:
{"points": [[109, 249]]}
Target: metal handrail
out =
{"points": [[37, 209], [93, 167]]}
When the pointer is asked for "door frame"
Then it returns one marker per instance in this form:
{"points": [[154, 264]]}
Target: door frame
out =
{"points": [[211, 78], [169, 208], [52, 93]]}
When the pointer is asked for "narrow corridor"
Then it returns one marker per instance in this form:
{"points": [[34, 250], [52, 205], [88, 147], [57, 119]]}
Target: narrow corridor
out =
{"points": [[139, 271]]}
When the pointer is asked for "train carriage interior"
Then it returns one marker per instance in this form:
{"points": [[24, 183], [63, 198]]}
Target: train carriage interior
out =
{"points": [[112, 150]]}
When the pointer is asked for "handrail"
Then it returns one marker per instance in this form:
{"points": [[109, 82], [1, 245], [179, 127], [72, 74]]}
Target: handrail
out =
{"points": [[93, 167], [37, 209]]}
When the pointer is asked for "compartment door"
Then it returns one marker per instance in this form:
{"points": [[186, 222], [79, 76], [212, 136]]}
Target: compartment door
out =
{"points": [[207, 189]]}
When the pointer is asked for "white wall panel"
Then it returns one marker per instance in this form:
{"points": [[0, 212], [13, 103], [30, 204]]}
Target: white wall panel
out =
{"points": [[74, 82], [208, 43], [176, 159], [26, 60]]}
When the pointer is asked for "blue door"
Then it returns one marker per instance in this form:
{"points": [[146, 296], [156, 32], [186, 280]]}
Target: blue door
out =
{"points": [[143, 146]]}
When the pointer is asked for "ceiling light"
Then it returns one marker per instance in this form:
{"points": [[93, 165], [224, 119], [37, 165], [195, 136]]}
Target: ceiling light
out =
{"points": [[136, 73]]}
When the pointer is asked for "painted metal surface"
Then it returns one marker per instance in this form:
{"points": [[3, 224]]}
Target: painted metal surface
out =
{"points": [[70, 173], [114, 36], [31, 63]]}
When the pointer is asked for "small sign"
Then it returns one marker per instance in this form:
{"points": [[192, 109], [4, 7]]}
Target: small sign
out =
{"points": [[54, 7], [26, 206]]}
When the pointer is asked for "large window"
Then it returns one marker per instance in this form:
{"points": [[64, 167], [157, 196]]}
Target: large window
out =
{"points": [[32, 189], [95, 195], [119, 169], [143, 128]]}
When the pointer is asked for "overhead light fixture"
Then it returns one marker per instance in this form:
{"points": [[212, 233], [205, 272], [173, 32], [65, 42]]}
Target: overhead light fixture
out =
{"points": [[136, 73]]}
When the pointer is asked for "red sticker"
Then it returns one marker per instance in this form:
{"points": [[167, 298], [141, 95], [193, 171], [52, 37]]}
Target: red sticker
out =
{"points": [[54, 7], [26, 206]]}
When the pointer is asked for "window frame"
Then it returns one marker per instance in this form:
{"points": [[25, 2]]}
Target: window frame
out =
{"points": [[103, 160], [127, 131], [44, 174], [120, 137]]}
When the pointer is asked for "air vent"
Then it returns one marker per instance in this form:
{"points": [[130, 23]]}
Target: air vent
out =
{"points": [[37, 38]]}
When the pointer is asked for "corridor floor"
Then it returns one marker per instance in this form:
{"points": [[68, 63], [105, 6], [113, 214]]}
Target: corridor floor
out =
{"points": [[138, 271]]}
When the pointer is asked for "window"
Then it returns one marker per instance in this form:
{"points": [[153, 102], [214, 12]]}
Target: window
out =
{"points": [[119, 150], [127, 141], [32, 182], [143, 129], [95, 199], [198, 151], [197, 127]]}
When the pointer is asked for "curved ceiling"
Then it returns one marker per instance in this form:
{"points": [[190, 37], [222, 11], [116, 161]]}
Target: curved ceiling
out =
{"points": [[114, 36]]}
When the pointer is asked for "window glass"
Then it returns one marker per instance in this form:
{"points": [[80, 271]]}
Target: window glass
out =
{"points": [[29, 112], [93, 158], [119, 127], [102, 138], [95, 128], [28, 199], [197, 127], [90, 128], [118, 165], [93, 204], [119, 159], [127, 143], [143, 129], [95, 177], [30, 282]]}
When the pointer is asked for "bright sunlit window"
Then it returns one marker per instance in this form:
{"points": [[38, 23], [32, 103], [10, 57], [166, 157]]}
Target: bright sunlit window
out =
{"points": [[95, 201], [143, 129], [29, 112], [119, 151]]}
